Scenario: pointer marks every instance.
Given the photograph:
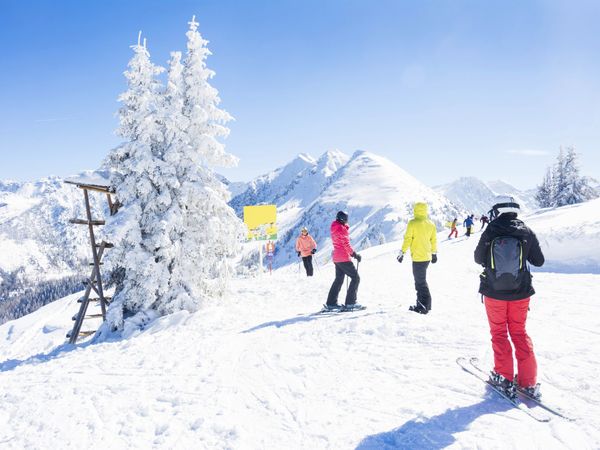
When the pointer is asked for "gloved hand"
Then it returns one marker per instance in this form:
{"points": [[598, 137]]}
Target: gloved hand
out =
{"points": [[400, 257], [313, 251], [299, 253], [433, 258], [356, 256]]}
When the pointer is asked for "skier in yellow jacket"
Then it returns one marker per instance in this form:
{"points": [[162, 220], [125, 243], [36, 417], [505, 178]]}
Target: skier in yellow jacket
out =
{"points": [[421, 238]]}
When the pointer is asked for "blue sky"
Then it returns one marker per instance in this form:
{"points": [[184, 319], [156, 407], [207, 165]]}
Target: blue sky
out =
{"points": [[443, 88]]}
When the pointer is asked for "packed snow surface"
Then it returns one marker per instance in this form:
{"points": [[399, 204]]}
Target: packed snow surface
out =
{"points": [[260, 371]]}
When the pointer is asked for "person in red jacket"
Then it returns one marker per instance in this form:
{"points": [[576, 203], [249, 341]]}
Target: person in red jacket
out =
{"points": [[306, 247], [342, 252]]}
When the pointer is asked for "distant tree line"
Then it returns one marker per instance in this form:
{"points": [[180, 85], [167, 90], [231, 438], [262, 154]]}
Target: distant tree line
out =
{"points": [[19, 296], [563, 184]]}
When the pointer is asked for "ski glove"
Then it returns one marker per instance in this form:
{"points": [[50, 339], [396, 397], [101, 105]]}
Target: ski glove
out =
{"points": [[356, 256], [313, 251], [400, 257], [433, 258], [299, 253]]}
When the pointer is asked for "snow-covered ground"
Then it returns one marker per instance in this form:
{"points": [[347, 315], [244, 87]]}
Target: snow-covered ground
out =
{"points": [[260, 372]]}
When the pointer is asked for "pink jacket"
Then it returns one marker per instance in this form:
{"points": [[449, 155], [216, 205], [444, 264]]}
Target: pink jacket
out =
{"points": [[305, 244], [341, 242]]}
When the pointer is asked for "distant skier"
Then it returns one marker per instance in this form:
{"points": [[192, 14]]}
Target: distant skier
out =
{"points": [[453, 230], [270, 251], [504, 249], [468, 223], [306, 247], [342, 252], [421, 238], [484, 221]]}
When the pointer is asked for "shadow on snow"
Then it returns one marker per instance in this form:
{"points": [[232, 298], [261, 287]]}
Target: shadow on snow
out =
{"points": [[308, 318], [436, 432], [61, 350]]}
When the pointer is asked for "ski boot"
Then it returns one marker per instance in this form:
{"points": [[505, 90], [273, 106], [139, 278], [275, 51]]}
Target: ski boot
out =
{"points": [[418, 309], [531, 391], [504, 384]]}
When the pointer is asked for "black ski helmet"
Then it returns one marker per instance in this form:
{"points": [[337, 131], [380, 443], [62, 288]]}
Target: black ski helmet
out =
{"points": [[342, 217]]}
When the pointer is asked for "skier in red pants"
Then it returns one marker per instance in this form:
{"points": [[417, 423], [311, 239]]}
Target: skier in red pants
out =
{"points": [[453, 230], [504, 249]]}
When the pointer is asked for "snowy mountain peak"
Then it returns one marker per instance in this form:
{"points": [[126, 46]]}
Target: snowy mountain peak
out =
{"points": [[330, 161], [477, 196], [377, 193], [10, 186], [306, 158]]}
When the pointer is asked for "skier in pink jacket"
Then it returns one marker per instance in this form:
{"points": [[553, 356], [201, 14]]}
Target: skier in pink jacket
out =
{"points": [[342, 252], [306, 247]]}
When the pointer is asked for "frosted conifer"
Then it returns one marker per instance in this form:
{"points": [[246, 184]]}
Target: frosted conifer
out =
{"points": [[210, 231], [140, 178]]}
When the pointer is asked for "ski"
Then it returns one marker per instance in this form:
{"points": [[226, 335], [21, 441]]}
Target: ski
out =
{"points": [[477, 372], [327, 311], [474, 361]]}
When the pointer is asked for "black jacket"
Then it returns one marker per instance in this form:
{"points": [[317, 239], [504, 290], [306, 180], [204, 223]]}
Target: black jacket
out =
{"points": [[508, 225]]}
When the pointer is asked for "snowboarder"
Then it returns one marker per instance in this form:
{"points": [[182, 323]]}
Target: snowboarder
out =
{"points": [[453, 230], [342, 252], [306, 247], [468, 223], [484, 221], [504, 249], [421, 238]]}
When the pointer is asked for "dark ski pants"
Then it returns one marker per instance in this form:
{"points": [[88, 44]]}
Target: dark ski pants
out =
{"points": [[307, 260], [420, 275], [341, 270], [509, 317]]}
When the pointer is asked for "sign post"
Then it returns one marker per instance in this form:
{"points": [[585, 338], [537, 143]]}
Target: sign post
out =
{"points": [[261, 222]]}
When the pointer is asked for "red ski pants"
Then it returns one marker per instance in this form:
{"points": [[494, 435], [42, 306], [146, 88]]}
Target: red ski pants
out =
{"points": [[453, 232], [509, 317]]}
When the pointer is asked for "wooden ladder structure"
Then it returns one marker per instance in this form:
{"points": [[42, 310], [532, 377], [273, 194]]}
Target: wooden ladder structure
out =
{"points": [[93, 284]]}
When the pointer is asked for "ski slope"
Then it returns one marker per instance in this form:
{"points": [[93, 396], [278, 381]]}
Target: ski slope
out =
{"points": [[260, 372]]}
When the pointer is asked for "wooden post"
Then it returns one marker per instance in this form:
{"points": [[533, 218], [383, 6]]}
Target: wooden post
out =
{"points": [[95, 254], [94, 282]]}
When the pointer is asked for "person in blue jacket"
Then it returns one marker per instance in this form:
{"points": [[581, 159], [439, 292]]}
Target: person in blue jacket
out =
{"points": [[468, 223]]}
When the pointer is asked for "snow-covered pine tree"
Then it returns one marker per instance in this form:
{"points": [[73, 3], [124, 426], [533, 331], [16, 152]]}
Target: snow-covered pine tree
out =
{"points": [[175, 233], [563, 185], [544, 194], [576, 189], [143, 182], [208, 232]]}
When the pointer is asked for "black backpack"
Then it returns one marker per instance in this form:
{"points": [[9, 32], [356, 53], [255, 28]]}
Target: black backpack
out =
{"points": [[507, 268]]}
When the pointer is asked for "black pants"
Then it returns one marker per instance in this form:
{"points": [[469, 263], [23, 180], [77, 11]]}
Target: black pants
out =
{"points": [[341, 270], [420, 275], [307, 260]]}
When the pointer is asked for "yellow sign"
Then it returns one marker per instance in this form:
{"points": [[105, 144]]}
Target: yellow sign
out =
{"points": [[261, 222]]}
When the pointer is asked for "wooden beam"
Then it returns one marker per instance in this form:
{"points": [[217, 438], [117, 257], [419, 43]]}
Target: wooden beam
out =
{"points": [[92, 187], [87, 222]]}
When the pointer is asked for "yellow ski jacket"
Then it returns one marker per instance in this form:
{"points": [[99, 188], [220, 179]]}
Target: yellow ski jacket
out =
{"points": [[420, 236]]}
